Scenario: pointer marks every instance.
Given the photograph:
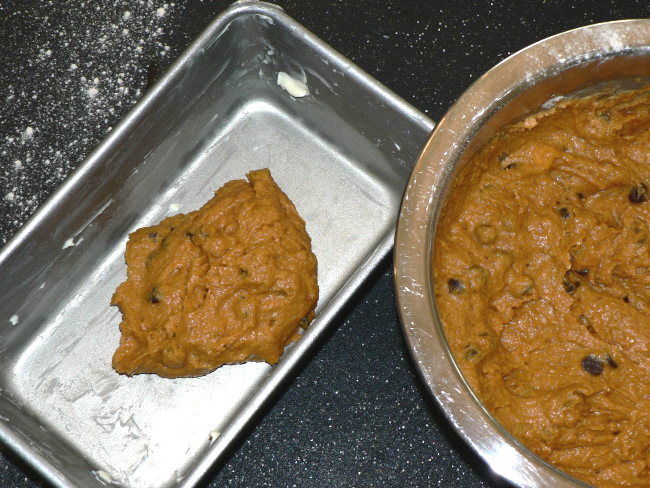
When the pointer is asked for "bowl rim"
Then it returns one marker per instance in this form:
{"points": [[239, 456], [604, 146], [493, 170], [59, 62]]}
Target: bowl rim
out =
{"points": [[421, 204]]}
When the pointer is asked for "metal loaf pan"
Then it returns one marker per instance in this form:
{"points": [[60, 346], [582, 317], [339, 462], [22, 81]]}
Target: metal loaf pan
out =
{"points": [[343, 154]]}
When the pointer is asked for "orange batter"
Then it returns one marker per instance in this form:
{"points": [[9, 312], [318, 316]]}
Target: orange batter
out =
{"points": [[542, 278], [231, 282]]}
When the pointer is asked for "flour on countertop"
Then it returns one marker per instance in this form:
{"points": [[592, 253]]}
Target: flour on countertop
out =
{"points": [[87, 66]]}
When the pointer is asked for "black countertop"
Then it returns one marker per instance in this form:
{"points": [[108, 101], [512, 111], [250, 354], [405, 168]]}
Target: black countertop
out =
{"points": [[358, 414]]}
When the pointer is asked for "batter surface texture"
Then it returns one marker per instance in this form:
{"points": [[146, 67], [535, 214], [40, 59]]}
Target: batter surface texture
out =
{"points": [[542, 279], [231, 282]]}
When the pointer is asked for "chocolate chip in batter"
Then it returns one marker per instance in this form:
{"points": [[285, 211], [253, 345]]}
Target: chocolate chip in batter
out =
{"points": [[564, 213], [470, 352], [455, 286], [571, 282], [583, 271], [585, 321], [592, 365], [155, 296], [611, 362], [638, 193], [153, 236]]}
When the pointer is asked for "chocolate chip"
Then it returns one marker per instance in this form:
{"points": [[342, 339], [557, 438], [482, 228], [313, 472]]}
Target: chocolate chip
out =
{"points": [[571, 282], [626, 299], [511, 166], [638, 193], [585, 321], [583, 271], [470, 352], [455, 286], [611, 362], [155, 296], [151, 258], [564, 213], [153, 236], [592, 365]]}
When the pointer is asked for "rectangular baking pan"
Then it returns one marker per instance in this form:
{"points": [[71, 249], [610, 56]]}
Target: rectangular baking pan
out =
{"points": [[343, 154]]}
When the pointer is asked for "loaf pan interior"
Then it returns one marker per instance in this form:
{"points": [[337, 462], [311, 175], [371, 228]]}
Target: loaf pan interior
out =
{"points": [[342, 154]]}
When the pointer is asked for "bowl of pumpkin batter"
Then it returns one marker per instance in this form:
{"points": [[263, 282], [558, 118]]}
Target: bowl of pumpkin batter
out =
{"points": [[522, 261]]}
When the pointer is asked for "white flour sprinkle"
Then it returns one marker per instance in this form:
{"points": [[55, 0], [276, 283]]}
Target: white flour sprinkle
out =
{"points": [[84, 75]]}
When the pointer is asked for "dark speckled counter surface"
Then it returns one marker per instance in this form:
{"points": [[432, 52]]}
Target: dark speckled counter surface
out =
{"points": [[357, 414]]}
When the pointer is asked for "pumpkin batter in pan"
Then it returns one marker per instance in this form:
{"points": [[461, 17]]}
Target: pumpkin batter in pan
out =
{"points": [[231, 282]]}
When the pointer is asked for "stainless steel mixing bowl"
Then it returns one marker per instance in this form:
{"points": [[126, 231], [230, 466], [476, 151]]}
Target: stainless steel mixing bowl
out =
{"points": [[522, 83]]}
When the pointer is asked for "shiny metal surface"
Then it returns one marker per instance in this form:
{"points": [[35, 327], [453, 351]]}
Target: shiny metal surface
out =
{"points": [[524, 82], [343, 154]]}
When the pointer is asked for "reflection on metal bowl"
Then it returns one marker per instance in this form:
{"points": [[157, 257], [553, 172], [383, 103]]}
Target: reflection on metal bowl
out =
{"points": [[521, 84]]}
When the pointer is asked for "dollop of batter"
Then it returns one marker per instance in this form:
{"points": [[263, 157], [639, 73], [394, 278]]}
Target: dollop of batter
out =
{"points": [[542, 281], [231, 282]]}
